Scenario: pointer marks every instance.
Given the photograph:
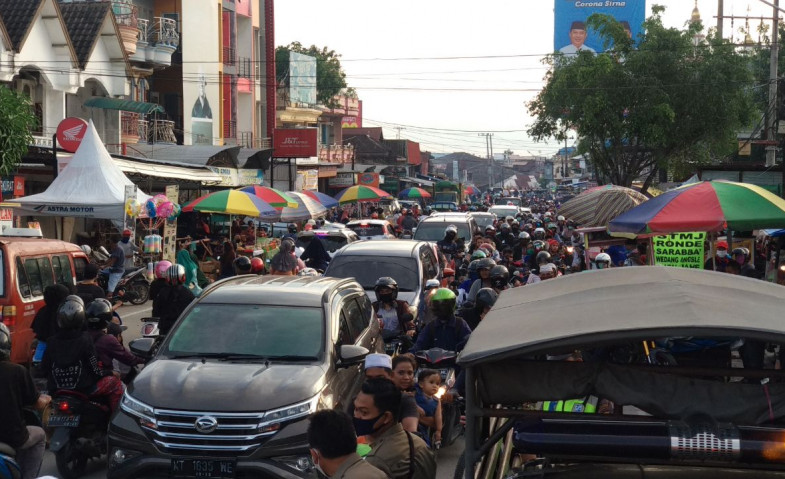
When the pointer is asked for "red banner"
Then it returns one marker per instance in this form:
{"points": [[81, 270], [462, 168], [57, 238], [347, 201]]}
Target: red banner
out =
{"points": [[294, 143]]}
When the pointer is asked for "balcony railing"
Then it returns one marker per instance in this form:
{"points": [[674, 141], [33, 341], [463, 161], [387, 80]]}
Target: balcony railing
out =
{"points": [[336, 153], [244, 67], [144, 27], [156, 131], [230, 129], [229, 56], [129, 124], [164, 32], [143, 129], [248, 140]]}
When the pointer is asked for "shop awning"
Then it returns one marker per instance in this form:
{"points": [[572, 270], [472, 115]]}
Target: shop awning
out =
{"points": [[417, 181], [124, 105], [203, 176]]}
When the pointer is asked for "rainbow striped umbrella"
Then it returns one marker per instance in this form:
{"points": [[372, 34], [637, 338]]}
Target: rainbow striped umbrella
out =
{"points": [[326, 200], [413, 193], [361, 193], [706, 206], [275, 198], [231, 202]]}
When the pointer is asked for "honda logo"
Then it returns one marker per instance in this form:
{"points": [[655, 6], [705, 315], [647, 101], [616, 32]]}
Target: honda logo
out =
{"points": [[206, 424]]}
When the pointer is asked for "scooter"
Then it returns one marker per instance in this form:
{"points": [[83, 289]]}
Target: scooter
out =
{"points": [[444, 362], [79, 427], [132, 287]]}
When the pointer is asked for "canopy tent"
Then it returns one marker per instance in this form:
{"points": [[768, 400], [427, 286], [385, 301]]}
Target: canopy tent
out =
{"points": [[91, 186]]}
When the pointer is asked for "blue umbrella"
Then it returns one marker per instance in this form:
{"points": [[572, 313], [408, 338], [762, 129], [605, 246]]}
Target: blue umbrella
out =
{"points": [[325, 200]]}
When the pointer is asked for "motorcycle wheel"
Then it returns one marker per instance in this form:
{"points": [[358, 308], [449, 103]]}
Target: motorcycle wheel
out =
{"points": [[70, 464], [142, 290]]}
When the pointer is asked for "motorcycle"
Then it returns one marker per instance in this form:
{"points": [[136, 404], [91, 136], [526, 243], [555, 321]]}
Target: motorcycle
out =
{"points": [[444, 362], [132, 288], [79, 427]]}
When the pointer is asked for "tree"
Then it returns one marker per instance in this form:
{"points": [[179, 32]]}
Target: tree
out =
{"points": [[330, 77], [666, 102], [16, 123]]}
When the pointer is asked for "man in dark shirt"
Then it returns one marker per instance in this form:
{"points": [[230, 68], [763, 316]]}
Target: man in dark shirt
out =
{"points": [[16, 392], [88, 289]]}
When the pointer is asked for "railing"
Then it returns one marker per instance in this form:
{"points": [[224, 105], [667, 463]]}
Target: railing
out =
{"points": [[164, 32], [156, 131], [246, 139], [129, 123], [230, 129], [144, 27], [244, 67], [143, 130], [336, 153], [229, 56]]}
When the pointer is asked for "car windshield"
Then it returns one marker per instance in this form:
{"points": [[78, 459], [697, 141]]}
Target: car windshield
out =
{"points": [[367, 229], [368, 269], [502, 212], [248, 330], [434, 230], [505, 200]]}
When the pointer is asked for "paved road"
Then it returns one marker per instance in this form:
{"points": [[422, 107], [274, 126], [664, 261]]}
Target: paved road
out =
{"points": [[132, 315]]}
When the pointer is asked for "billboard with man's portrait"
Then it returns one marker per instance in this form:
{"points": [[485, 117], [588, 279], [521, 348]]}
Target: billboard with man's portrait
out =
{"points": [[571, 34]]}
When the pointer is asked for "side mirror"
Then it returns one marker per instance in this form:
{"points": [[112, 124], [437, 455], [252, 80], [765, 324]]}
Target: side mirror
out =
{"points": [[349, 354], [142, 347]]}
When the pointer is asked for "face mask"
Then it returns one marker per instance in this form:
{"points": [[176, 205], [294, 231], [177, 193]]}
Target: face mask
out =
{"points": [[530, 251], [386, 298], [722, 254], [125, 240], [601, 266], [365, 427], [316, 465]]}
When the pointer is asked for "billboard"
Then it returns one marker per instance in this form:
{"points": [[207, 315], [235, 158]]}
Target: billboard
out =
{"points": [[302, 78], [570, 34], [200, 102], [294, 143]]}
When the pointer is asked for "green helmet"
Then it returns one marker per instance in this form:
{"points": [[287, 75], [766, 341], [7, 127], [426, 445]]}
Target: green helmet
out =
{"points": [[443, 302], [479, 254]]}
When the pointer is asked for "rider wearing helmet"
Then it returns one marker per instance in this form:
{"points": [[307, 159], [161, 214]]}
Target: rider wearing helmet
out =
{"points": [[257, 265], [473, 313], [742, 256], [520, 250], [242, 265], [448, 246], [160, 278], [484, 280], [445, 331], [291, 231], [602, 261], [500, 277], [107, 346], [539, 234], [395, 315], [505, 236], [17, 392], [173, 299], [70, 360]]}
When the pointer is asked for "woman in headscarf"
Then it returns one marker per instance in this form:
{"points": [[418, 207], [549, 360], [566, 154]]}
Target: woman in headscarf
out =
{"points": [[184, 258], [227, 260], [315, 256], [285, 262]]}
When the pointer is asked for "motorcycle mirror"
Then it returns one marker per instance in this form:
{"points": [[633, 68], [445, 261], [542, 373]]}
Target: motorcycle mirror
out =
{"points": [[142, 347], [102, 250], [349, 355]]}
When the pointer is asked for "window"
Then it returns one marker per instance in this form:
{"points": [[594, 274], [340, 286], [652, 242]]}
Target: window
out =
{"points": [[79, 266], [428, 264], [34, 277], [364, 318], [21, 279], [62, 269], [45, 268], [355, 319], [344, 333]]}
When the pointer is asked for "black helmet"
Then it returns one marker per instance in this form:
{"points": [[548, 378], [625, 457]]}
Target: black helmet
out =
{"points": [[99, 313], [242, 265], [71, 315], [500, 275], [543, 257], [485, 263], [5, 342], [386, 282], [443, 302], [486, 298], [292, 228], [473, 265], [738, 251], [504, 227]]}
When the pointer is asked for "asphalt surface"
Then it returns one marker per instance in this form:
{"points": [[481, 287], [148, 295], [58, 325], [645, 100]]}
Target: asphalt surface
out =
{"points": [[446, 458]]}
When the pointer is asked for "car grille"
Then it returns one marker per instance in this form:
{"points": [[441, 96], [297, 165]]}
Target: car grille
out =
{"points": [[235, 433]]}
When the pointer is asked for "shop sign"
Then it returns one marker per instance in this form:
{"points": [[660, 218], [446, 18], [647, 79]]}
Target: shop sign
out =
{"points": [[680, 250], [295, 142], [308, 179], [238, 177], [13, 186], [369, 179], [70, 132], [342, 180], [6, 218], [349, 122]]}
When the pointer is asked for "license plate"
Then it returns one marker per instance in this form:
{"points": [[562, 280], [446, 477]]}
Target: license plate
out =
{"points": [[207, 468], [63, 420]]}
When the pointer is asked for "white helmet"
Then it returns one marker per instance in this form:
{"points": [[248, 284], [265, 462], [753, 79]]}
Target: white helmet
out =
{"points": [[87, 249], [308, 272], [560, 218], [523, 235], [602, 259]]}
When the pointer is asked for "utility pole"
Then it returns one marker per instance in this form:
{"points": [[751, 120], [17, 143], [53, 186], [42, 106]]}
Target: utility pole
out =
{"points": [[720, 16], [489, 155], [398, 132], [771, 136]]}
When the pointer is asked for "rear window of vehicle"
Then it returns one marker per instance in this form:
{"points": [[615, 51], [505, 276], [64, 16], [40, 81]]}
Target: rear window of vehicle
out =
{"points": [[367, 230], [484, 221], [368, 269], [434, 230], [503, 212], [242, 329], [333, 243]]}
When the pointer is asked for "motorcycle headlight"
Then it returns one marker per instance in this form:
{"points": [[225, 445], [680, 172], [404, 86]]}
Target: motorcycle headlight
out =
{"points": [[134, 407], [272, 420]]}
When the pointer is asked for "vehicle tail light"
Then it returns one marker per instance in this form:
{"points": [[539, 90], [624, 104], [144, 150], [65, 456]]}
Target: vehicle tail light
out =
{"points": [[9, 315], [63, 406]]}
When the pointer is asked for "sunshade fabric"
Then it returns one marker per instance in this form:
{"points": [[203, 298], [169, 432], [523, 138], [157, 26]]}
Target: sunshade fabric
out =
{"points": [[231, 202], [597, 206], [413, 192], [275, 198], [124, 105], [618, 303], [307, 208], [706, 206], [361, 193], [326, 200]]}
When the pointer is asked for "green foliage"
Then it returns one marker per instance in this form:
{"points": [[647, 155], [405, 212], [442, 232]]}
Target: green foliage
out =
{"points": [[330, 77], [16, 122], [665, 103]]}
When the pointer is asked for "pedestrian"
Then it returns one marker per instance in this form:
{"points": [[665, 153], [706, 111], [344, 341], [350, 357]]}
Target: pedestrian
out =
{"points": [[381, 366], [285, 262], [399, 454], [333, 446], [227, 260], [720, 259]]}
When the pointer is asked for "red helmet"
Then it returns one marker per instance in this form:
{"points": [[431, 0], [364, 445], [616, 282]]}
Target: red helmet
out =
{"points": [[257, 265]]}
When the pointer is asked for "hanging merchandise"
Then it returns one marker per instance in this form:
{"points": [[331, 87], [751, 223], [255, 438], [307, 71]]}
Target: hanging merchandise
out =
{"points": [[149, 272], [175, 213], [153, 244], [150, 207], [131, 208], [165, 209], [160, 199]]}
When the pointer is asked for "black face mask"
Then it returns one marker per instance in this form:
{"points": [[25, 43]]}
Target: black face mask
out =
{"points": [[386, 298], [365, 427]]}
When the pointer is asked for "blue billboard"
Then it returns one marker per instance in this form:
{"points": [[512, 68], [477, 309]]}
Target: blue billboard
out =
{"points": [[571, 34]]}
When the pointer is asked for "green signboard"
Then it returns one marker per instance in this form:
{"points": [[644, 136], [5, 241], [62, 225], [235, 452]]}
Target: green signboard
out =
{"points": [[680, 250]]}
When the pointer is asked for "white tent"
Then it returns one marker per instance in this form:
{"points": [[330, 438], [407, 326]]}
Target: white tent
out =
{"points": [[91, 186]]}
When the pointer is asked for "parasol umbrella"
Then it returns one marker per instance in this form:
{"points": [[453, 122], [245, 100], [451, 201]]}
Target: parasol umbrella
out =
{"points": [[709, 206], [597, 206], [275, 198], [231, 202], [361, 193], [326, 200], [307, 208], [413, 193], [471, 190]]}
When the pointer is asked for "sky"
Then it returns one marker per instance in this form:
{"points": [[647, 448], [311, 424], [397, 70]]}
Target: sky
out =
{"points": [[441, 72]]}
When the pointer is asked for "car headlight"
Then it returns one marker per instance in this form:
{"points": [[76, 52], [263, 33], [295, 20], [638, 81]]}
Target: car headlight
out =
{"points": [[272, 420], [299, 463], [134, 407]]}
